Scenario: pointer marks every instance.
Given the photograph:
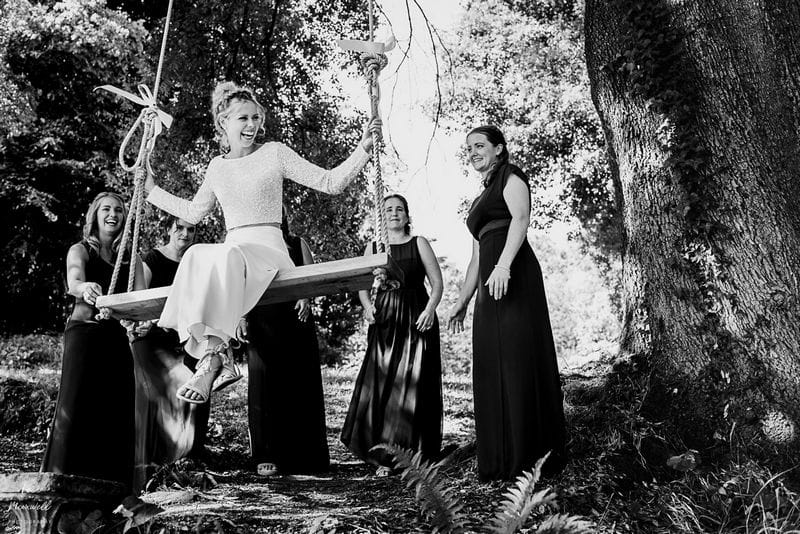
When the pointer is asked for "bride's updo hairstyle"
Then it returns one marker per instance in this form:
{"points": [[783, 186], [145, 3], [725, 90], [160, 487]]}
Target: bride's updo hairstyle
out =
{"points": [[225, 95]]}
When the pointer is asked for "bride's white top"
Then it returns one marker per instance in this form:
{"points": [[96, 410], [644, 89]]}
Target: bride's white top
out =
{"points": [[250, 188]]}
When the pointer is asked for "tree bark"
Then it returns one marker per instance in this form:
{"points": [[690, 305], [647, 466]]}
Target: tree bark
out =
{"points": [[711, 298]]}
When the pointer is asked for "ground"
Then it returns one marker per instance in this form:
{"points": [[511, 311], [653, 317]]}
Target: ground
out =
{"points": [[224, 495], [617, 477]]}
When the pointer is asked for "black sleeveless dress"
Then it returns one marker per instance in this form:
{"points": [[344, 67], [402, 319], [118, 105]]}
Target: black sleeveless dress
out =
{"points": [[519, 415], [397, 396], [166, 427], [93, 427], [285, 400]]}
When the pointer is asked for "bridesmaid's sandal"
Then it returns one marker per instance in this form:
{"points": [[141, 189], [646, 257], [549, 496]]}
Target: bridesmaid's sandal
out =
{"points": [[229, 373], [267, 469], [202, 380]]}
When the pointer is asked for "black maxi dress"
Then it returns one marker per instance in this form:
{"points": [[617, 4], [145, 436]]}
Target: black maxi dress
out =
{"points": [[397, 398], [519, 414], [93, 426], [285, 400], [166, 427]]}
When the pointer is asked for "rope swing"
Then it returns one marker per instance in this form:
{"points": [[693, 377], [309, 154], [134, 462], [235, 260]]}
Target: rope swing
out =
{"points": [[353, 274], [372, 60], [152, 120]]}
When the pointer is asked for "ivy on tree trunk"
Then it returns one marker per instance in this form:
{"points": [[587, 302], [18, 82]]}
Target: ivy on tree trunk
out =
{"points": [[699, 103]]}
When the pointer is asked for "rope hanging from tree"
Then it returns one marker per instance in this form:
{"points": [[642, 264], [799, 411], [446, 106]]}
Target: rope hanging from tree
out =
{"points": [[373, 59], [152, 120]]}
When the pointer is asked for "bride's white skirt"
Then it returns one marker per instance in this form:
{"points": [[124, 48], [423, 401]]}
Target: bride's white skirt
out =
{"points": [[217, 284]]}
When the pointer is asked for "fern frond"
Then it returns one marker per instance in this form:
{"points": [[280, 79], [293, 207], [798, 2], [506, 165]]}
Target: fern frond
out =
{"points": [[438, 501], [565, 524], [520, 500]]}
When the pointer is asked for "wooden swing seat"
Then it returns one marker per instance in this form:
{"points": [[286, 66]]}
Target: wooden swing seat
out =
{"points": [[306, 281]]}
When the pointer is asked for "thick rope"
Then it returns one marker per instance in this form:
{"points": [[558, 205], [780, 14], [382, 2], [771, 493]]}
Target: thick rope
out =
{"points": [[151, 120], [372, 65], [133, 222]]}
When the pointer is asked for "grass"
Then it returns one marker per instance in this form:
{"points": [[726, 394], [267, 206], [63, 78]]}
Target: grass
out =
{"points": [[616, 478]]}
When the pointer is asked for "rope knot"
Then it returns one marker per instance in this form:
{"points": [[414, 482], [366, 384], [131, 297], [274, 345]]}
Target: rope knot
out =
{"points": [[153, 121], [150, 114], [372, 62]]}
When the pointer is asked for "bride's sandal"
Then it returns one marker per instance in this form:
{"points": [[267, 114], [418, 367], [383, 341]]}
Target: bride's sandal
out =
{"points": [[229, 373], [202, 380]]}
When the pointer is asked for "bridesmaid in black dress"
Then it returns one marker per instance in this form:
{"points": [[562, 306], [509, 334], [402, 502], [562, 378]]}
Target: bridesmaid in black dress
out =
{"points": [[397, 397], [517, 390], [285, 400], [166, 427], [93, 427]]}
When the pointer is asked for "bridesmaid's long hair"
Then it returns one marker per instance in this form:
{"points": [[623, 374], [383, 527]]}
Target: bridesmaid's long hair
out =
{"points": [[495, 136], [402, 199], [90, 229]]}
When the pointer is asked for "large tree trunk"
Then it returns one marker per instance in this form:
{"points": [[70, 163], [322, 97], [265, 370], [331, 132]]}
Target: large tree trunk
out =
{"points": [[712, 252]]}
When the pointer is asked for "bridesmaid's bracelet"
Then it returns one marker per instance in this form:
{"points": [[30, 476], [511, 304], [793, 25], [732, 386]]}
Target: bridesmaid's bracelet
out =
{"points": [[498, 266]]}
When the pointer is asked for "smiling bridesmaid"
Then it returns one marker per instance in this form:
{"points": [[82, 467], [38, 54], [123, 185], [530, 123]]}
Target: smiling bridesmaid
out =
{"points": [[93, 427], [519, 415], [397, 397]]}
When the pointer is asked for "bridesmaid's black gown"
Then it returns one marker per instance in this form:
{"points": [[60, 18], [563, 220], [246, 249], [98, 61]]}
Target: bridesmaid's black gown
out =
{"points": [[397, 396], [167, 428], [285, 401], [519, 415], [93, 426]]}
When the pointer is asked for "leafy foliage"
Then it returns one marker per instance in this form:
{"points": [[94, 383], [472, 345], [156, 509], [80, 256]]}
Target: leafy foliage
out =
{"points": [[25, 408], [741, 497], [137, 512], [437, 500], [74, 522], [182, 473], [520, 500], [57, 150], [27, 404], [520, 66], [564, 524]]}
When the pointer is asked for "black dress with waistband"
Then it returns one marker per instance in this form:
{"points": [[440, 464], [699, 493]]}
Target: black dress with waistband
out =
{"points": [[166, 427], [93, 427], [519, 415], [285, 401], [397, 397]]}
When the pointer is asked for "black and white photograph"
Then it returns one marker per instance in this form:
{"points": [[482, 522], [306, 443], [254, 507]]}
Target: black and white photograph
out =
{"points": [[400, 266]]}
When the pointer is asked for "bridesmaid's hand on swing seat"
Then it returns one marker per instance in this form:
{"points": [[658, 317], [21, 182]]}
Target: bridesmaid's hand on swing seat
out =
{"points": [[136, 329], [241, 330], [303, 307]]}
